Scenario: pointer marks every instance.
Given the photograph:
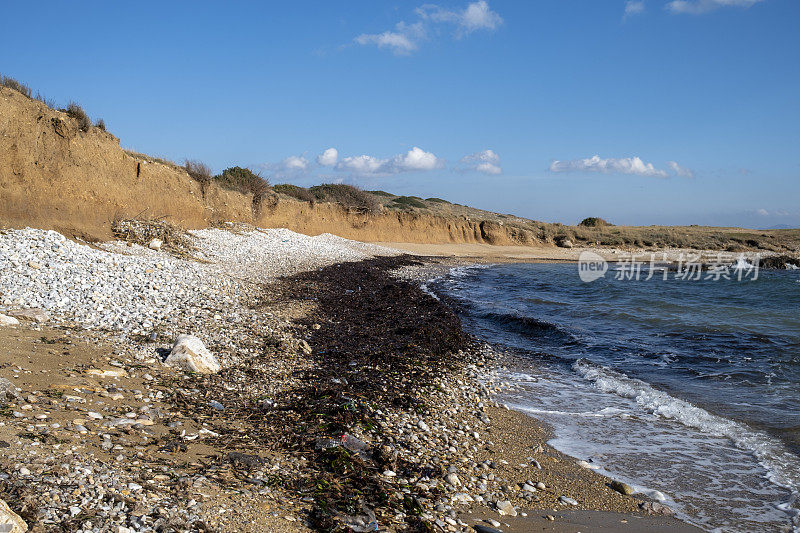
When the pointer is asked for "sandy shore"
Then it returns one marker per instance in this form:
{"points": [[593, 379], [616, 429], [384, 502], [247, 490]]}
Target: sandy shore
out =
{"points": [[487, 253], [99, 434]]}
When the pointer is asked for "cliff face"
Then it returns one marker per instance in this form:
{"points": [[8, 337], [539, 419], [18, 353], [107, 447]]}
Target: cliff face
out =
{"points": [[54, 176]]}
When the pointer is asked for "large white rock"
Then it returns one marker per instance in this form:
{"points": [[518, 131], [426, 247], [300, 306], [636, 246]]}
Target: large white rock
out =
{"points": [[6, 320], [10, 521], [189, 353]]}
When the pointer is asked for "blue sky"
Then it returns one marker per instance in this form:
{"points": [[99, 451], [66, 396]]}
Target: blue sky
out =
{"points": [[651, 112]]}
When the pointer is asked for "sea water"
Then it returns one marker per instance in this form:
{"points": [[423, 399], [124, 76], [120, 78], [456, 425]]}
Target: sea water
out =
{"points": [[688, 390]]}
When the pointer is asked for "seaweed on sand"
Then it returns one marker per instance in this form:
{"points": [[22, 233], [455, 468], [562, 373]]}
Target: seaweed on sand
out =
{"points": [[378, 344]]}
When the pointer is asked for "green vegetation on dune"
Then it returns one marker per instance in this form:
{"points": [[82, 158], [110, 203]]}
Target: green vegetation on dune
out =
{"points": [[593, 222], [408, 201], [243, 180], [346, 196], [298, 193]]}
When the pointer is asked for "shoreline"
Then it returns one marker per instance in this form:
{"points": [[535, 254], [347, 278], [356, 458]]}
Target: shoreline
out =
{"points": [[250, 448], [480, 253]]}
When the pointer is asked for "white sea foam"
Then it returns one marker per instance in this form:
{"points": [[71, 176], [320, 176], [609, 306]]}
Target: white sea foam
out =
{"points": [[424, 288], [782, 466]]}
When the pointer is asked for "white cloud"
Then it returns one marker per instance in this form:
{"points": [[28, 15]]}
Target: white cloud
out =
{"points": [[486, 161], [489, 168], [328, 158], [406, 38], [634, 7], [363, 164], [417, 159], [679, 170], [763, 212], [476, 16], [295, 163], [414, 160], [704, 6], [625, 165]]}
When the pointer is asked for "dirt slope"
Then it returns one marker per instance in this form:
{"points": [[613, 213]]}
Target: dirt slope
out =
{"points": [[54, 176]]}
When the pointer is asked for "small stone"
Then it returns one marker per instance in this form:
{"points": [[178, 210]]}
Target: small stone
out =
{"points": [[453, 480], [655, 508], [486, 529], [305, 347], [8, 321], [540, 486], [463, 497], [155, 244], [8, 392], [24, 471], [95, 416], [505, 507], [567, 500], [423, 426], [622, 488], [34, 265]]}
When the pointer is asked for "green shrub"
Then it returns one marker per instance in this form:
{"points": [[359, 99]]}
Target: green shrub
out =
{"points": [[77, 112], [300, 193], [410, 201], [436, 200], [347, 196], [100, 123], [593, 222], [198, 171], [11, 83], [243, 180]]}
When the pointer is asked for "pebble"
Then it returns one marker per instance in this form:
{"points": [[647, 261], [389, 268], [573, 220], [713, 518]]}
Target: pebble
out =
{"points": [[453, 480], [622, 488], [6, 320], [567, 500], [505, 507]]}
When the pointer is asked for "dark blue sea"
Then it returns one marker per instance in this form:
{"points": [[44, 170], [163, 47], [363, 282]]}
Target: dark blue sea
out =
{"points": [[689, 390]]}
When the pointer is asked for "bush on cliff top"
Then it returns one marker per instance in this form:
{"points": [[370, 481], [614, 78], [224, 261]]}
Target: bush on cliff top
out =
{"points": [[199, 171], [243, 180], [346, 196], [593, 222], [11, 83], [77, 112], [299, 193], [409, 201]]}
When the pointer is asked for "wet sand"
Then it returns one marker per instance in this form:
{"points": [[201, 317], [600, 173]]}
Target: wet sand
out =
{"points": [[594, 522]]}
